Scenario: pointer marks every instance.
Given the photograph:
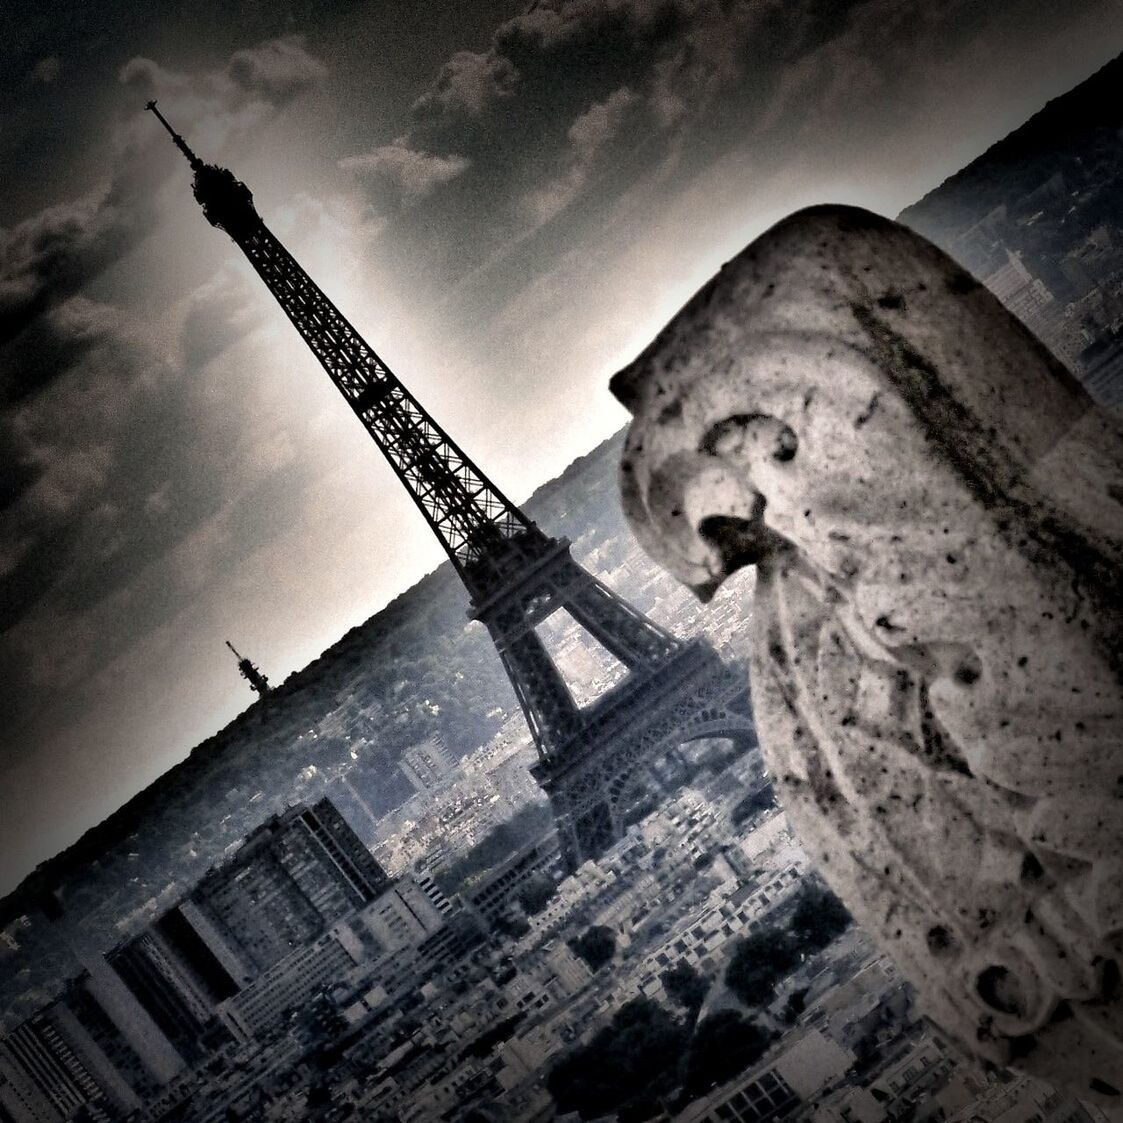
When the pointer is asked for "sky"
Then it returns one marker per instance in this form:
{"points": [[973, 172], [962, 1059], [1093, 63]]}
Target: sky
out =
{"points": [[507, 200]]}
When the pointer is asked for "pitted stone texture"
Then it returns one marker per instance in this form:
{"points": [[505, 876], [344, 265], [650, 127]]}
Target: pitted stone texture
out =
{"points": [[933, 505]]}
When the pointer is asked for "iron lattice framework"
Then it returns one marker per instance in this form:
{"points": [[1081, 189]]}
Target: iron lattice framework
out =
{"points": [[515, 574]]}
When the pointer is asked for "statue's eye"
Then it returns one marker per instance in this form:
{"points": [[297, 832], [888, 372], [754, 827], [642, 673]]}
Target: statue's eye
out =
{"points": [[751, 434]]}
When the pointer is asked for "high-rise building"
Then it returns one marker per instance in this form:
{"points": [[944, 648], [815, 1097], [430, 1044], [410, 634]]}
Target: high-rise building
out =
{"points": [[424, 881], [405, 929], [127, 1063], [346, 792], [289, 984], [492, 894], [161, 976], [257, 933], [80, 1052], [291, 879], [1024, 294], [41, 1076]]}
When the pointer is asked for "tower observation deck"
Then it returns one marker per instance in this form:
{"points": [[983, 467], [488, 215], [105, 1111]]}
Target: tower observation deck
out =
{"points": [[590, 758]]}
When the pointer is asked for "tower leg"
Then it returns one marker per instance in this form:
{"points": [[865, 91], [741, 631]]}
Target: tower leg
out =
{"points": [[695, 695]]}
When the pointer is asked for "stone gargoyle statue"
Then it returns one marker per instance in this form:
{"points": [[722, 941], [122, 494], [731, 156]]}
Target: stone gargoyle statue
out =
{"points": [[934, 508]]}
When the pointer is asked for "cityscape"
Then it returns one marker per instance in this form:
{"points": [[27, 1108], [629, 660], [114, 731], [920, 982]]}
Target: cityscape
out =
{"points": [[299, 981], [372, 898]]}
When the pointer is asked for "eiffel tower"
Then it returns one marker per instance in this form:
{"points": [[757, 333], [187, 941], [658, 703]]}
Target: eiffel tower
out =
{"points": [[592, 759]]}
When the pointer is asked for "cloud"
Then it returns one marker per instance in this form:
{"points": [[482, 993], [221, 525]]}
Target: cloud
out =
{"points": [[415, 175], [64, 447], [124, 459], [703, 78], [680, 56], [50, 256], [466, 85], [587, 136], [595, 63], [97, 415], [277, 70], [600, 124], [214, 107], [553, 24], [273, 72], [46, 70]]}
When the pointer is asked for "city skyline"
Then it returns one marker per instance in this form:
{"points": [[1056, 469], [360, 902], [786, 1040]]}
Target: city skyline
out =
{"points": [[166, 486]]}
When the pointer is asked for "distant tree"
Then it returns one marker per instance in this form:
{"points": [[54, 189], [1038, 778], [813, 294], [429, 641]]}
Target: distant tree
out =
{"points": [[724, 1044], [319, 1095], [511, 926], [488, 1040], [685, 986], [759, 962], [596, 946], [795, 1005], [625, 1068], [753, 804], [537, 893], [640, 1108], [527, 825], [819, 917]]}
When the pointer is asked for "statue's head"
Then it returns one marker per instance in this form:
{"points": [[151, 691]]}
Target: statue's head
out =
{"points": [[934, 505], [806, 397]]}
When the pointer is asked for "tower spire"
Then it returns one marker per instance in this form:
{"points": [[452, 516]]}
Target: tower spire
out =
{"points": [[180, 143], [250, 673], [593, 760]]}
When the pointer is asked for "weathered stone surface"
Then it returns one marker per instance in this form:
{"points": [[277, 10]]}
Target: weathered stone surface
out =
{"points": [[935, 511]]}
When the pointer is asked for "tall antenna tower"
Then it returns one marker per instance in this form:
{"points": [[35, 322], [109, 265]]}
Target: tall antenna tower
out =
{"points": [[250, 673]]}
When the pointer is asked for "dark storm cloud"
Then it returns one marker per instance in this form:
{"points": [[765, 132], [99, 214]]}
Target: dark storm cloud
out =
{"points": [[683, 83], [53, 254], [50, 347], [519, 121], [138, 491], [466, 85], [587, 139], [110, 459], [274, 73], [17, 470], [51, 344], [70, 510]]}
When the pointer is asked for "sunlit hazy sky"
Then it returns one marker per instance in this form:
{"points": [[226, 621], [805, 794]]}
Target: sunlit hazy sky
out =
{"points": [[507, 200]]}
